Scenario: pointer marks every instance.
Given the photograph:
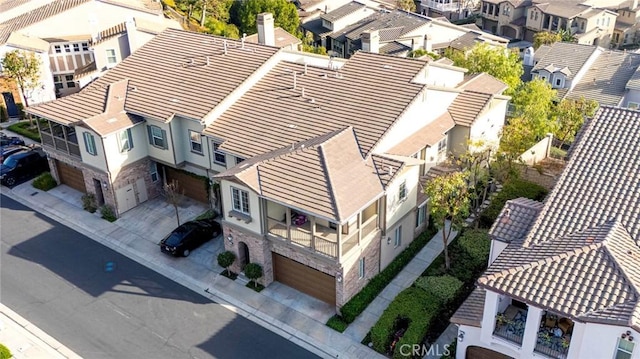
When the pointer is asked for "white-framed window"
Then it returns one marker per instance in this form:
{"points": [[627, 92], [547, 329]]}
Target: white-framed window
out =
{"points": [[240, 200], [85, 46], [196, 141], [633, 105], [126, 140], [531, 15], [153, 170], [69, 81], [76, 47], [67, 48], [219, 157], [442, 145], [402, 191], [397, 240], [57, 81], [239, 160], [361, 267], [558, 81], [90, 143], [536, 16], [421, 215], [111, 57], [57, 49], [157, 137], [624, 349]]}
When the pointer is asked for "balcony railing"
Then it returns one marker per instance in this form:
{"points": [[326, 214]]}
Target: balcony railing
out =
{"points": [[440, 6], [554, 336], [510, 324], [552, 347], [60, 144]]}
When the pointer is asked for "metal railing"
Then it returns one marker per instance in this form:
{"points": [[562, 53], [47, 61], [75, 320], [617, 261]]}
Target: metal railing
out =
{"points": [[440, 6], [60, 144], [552, 347]]}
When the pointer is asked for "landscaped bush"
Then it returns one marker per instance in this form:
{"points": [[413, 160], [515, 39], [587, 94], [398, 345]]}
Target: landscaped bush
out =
{"points": [[413, 305], [44, 182], [253, 271], [336, 323], [3, 114], [512, 189], [444, 287], [89, 203], [5, 353], [25, 129], [225, 260], [476, 244], [207, 215], [108, 213], [469, 256], [360, 301]]}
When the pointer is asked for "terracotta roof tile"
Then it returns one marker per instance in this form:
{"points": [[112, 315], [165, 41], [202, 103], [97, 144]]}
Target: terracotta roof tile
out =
{"points": [[467, 106], [471, 310], [515, 220]]}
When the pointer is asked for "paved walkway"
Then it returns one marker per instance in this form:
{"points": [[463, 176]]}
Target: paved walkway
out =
{"points": [[445, 338], [363, 323]]}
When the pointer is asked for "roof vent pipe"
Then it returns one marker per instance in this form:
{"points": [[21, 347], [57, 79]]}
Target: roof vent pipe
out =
{"points": [[305, 68], [208, 61], [244, 36], [303, 92], [224, 44]]}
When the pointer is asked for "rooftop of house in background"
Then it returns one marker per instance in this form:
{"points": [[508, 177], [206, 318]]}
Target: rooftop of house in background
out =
{"points": [[281, 36]]}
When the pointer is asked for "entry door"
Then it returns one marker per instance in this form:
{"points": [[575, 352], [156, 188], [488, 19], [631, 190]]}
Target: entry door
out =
{"points": [[142, 190], [126, 198], [12, 108]]}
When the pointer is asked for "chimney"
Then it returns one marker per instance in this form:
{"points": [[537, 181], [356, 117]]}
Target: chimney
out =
{"points": [[529, 54], [130, 25], [266, 35], [371, 41], [428, 42]]}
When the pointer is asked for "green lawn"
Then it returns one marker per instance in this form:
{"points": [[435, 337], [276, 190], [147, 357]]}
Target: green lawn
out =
{"points": [[26, 129]]}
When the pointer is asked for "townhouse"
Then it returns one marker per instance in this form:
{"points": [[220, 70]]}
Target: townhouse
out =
{"points": [[449, 9], [314, 162], [73, 53], [625, 32], [562, 280]]}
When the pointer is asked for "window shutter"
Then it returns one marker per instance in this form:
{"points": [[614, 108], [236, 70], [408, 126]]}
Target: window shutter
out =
{"points": [[130, 139], [86, 142], [150, 135], [165, 145]]}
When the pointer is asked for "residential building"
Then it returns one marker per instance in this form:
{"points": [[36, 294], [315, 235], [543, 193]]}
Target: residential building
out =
{"points": [[316, 179], [609, 77], [108, 32], [279, 37], [562, 280], [449, 9], [589, 22], [625, 32]]}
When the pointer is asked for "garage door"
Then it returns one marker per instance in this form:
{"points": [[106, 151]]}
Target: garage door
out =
{"points": [[194, 187], [305, 279], [483, 353], [71, 176]]}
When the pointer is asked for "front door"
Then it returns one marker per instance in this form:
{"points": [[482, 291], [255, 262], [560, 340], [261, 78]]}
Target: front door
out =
{"points": [[243, 255], [97, 185], [12, 108]]}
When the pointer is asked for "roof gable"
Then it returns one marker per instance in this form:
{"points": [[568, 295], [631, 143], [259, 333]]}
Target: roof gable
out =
{"points": [[565, 54]]}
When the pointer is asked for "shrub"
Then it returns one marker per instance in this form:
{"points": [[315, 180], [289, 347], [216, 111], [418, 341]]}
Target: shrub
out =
{"points": [[360, 301], [5, 353], [89, 203], [108, 213], [337, 323], [476, 244], [226, 259], [3, 114], [512, 189], [253, 271], [444, 287], [25, 129], [209, 214], [169, 3], [255, 286], [44, 182]]}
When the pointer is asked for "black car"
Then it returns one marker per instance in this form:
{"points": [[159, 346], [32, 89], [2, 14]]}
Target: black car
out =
{"points": [[10, 140], [9, 150], [24, 164], [190, 236]]}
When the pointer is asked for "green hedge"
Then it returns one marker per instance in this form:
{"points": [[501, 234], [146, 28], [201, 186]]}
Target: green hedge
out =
{"points": [[336, 323], [360, 301], [512, 189], [24, 129], [44, 182], [5, 353], [445, 287]]}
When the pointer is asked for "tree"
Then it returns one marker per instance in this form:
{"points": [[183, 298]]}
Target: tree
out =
{"points": [[498, 62], [309, 46], [517, 136], [285, 14], [570, 115], [220, 28], [406, 5], [174, 195], [216, 9], [225, 260], [533, 102], [24, 68], [253, 271], [448, 201], [545, 38], [475, 162]]}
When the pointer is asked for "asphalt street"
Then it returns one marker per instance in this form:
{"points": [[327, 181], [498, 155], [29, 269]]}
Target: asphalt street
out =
{"points": [[101, 304]]}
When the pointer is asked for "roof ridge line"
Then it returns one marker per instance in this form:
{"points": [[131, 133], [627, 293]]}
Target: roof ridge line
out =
{"points": [[328, 176]]}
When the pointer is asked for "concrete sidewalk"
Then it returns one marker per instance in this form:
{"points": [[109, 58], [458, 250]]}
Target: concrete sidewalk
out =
{"points": [[27, 341]]}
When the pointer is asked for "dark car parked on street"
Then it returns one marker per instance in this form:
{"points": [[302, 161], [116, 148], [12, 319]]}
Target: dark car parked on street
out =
{"points": [[189, 236], [10, 140], [9, 150], [24, 164]]}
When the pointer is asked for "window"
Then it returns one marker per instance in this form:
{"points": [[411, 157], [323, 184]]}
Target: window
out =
{"points": [[421, 215], [153, 169], [157, 137], [69, 80], [608, 21], [633, 105], [536, 16], [240, 200], [111, 57], [57, 80], [361, 268], [90, 143], [76, 47], [398, 237], [196, 142], [126, 141], [624, 349], [219, 157], [402, 191], [67, 48], [85, 46], [442, 145], [57, 49], [558, 81], [239, 160], [582, 26]]}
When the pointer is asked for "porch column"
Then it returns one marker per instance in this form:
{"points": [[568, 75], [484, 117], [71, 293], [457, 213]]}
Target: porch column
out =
{"points": [[313, 233], [489, 316], [339, 249], [576, 340], [66, 138], [288, 219], [37, 119], [53, 138], [534, 315], [359, 223]]}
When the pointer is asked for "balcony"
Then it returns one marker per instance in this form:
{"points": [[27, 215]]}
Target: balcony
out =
{"points": [[510, 324], [58, 137], [440, 5], [554, 336]]}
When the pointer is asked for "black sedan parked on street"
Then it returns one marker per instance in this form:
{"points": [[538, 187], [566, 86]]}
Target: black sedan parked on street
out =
{"points": [[24, 164], [10, 140], [189, 236]]}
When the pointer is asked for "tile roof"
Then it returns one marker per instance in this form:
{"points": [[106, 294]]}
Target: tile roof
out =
{"points": [[392, 25], [515, 220], [85, 70], [464, 42], [351, 97], [106, 34], [282, 38], [471, 311], [342, 11], [315, 27], [566, 9], [6, 5], [113, 118], [611, 72], [429, 135], [387, 167], [565, 54], [24, 42], [326, 176], [634, 81], [467, 106], [394, 48], [189, 86], [483, 83]]}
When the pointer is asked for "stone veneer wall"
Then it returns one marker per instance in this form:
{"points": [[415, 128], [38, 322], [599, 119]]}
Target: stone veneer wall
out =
{"points": [[259, 251], [351, 283], [134, 171]]}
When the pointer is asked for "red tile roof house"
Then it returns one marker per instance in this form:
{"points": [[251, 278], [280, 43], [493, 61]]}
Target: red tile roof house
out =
{"points": [[564, 277], [317, 159]]}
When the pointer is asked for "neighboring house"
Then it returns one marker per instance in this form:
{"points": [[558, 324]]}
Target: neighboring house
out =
{"points": [[318, 179], [609, 77], [273, 36], [562, 280], [625, 32], [65, 47], [389, 32], [589, 23], [449, 9]]}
